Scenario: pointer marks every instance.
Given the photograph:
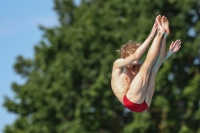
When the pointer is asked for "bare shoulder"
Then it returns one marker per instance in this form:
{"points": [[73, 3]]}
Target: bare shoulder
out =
{"points": [[117, 62]]}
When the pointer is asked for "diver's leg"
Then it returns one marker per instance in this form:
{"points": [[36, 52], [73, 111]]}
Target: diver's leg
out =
{"points": [[137, 90], [157, 64]]}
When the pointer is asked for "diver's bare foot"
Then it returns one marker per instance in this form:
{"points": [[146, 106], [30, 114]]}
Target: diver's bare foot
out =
{"points": [[161, 28], [165, 24]]}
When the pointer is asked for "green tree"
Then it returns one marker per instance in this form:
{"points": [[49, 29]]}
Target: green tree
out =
{"points": [[67, 86]]}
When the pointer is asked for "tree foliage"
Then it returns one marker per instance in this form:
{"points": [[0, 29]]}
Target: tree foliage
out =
{"points": [[67, 86]]}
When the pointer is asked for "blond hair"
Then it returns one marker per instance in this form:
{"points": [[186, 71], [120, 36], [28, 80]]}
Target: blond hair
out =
{"points": [[129, 48]]}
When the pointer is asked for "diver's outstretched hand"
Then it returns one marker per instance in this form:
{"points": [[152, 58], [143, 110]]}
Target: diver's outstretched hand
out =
{"points": [[175, 46]]}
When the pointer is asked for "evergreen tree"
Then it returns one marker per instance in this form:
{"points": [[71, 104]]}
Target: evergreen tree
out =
{"points": [[67, 88]]}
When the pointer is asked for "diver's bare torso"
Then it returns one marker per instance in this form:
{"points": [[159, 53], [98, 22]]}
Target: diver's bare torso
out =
{"points": [[122, 78]]}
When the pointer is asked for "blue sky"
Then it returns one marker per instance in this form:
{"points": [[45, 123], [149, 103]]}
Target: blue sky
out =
{"points": [[19, 33]]}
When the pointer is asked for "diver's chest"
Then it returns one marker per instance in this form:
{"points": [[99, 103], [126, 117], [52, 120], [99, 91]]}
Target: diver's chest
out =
{"points": [[130, 72]]}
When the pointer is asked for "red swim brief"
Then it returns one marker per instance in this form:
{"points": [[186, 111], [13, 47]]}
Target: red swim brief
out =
{"points": [[134, 106]]}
